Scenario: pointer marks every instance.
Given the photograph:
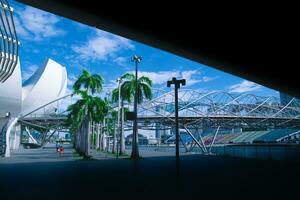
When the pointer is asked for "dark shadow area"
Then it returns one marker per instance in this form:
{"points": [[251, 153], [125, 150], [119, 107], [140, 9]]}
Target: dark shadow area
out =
{"points": [[201, 176], [248, 40]]}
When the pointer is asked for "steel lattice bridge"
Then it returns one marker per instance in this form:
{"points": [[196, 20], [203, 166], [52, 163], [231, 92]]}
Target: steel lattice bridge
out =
{"points": [[197, 110]]}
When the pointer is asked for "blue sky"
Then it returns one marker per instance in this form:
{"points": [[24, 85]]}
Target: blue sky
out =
{"points": [[77, 46]]}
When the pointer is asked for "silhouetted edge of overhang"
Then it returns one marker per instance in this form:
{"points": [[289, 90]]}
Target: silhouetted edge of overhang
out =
{"points": [[245, 69]]}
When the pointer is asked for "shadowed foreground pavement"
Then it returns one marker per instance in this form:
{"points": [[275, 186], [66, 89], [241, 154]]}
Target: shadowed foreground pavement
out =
{"points": [[152, 177]]}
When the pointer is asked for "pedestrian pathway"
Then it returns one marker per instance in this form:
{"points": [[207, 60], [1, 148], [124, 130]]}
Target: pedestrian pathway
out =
{"points": [[46, 154]]}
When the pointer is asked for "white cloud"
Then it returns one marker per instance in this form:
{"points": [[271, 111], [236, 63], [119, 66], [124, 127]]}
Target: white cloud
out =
{"points": [[187, 75], [27, 74], [121, 61], [161, 77], [65, 102], [71, 79], [35, 24], [111, 84], [21, 31], [244, 86], [101, 46], [207, 79]]}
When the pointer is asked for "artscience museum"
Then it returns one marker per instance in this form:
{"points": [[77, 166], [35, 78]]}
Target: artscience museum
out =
{"points": [[17, 100], [48, 83]]}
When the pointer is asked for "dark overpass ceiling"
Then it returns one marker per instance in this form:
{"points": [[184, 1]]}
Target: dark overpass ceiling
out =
{"points": [[257, 42]]}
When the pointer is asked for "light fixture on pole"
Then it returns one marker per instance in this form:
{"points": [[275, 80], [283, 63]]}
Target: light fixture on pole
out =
{"points": [[177, 84], [135, 151]]}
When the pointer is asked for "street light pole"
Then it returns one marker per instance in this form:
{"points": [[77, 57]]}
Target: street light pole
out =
{"points": [[177, 84], [135, 151]]}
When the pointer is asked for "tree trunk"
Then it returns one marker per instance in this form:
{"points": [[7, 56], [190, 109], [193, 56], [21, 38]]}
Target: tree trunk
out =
{"points": [[122, 145], [92, 146], [97, 137], [77, 140], [104, 136], [87, 136], [80, 135], [101, 135], [107, 143], [104, 141], [114, 139]]}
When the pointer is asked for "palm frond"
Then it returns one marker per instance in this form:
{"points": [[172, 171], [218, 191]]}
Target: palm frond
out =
{"points": [[115, 95], [145, 79], [128, 77], [147, 91], [92, 83]]}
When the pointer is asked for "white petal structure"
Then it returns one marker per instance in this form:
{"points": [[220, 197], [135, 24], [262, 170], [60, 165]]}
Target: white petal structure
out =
{"points": [[11, 94], [45, 85]]}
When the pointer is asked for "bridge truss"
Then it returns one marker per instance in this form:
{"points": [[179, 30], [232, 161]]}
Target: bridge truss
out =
{"points": [[197, 111]]}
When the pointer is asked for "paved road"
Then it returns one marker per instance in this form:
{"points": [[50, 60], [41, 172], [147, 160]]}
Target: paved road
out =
{"points": [[201, 177]]}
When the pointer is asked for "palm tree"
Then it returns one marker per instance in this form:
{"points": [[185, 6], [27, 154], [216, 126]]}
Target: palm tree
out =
{"points": [[92, 83], [127, 94], [88, 107]]}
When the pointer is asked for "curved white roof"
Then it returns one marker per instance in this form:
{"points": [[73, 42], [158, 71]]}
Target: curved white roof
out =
{"points": [[46, 84], [11, 94]]}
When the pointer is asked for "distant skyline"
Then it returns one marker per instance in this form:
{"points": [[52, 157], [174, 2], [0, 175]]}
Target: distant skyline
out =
{"points": [[77, 46]]}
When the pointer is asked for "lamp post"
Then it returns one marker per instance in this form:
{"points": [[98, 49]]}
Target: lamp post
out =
{"points": [[135, 151], [177, 84]]}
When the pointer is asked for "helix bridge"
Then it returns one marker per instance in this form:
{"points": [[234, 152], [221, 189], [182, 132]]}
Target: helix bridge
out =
{"points": [[196, 109]]}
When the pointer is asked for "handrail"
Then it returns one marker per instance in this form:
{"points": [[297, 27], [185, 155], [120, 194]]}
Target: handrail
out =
{"points": [[23, 116]]}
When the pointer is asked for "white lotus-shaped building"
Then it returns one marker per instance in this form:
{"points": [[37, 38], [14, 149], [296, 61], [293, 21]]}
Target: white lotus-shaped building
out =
{"points": [[11, 94], [45, 85], [48, 83]]}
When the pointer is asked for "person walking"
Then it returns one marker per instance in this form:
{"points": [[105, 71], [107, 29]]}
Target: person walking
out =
{"points": [[61, 150], [57, 146]]}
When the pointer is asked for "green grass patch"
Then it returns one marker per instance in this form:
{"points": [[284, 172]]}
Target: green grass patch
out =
{"points": [[129, 158], [113, 155], [79, 156]]}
